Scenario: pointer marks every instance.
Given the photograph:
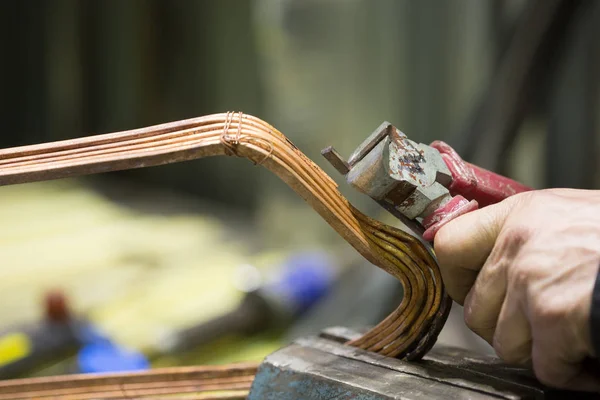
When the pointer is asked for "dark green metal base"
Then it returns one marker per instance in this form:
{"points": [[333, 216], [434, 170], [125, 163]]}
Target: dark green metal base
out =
{"points": [[323, 368]]}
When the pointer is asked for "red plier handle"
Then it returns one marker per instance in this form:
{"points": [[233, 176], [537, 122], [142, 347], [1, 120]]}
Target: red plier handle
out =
{"points": [[475, 183], [472, 187]]}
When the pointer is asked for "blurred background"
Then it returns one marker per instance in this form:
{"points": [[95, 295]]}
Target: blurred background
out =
{"points": [[155, 262]]}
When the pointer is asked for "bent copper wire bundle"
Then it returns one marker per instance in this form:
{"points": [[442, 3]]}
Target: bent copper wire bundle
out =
{"points": [[408, 332]]}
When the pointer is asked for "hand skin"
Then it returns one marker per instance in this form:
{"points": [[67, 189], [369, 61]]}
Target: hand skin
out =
{"points": [[525, 269]]}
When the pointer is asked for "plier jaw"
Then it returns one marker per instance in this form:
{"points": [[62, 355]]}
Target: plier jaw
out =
{"points": [[425, 186]]}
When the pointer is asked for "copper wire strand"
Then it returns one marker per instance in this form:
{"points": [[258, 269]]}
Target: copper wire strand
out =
{"points": [[239, 129], [207, 382], [411, 329], [231, 143], [421, 272], [225, 139], [268, 144]]}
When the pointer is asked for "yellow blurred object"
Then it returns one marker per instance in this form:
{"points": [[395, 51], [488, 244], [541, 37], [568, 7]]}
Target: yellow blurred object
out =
{"points": [[134, 275], [13, 347]]}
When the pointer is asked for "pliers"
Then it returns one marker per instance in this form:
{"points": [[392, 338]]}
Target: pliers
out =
{"points": [[425, 186]]}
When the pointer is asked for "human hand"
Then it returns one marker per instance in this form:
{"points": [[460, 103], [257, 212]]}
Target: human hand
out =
{"points": [[525, 269]]}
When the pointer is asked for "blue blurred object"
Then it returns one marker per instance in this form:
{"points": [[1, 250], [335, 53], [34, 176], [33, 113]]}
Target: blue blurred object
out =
{"points": [[362, 297], [99, 354], [105, 357], [304, 280], [27, 348]]}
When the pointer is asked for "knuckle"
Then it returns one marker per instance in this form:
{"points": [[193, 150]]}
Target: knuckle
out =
{"points": [[548, 309], [516, 355], [519, 275], [525, 272], [507, 247], [522, 272], [514, 235]]}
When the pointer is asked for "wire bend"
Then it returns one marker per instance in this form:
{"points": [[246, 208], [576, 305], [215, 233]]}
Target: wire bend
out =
{"points": [[408, 332]]}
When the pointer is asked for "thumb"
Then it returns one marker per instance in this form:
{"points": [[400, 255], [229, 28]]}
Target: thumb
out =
{"points": [[463, 245]]}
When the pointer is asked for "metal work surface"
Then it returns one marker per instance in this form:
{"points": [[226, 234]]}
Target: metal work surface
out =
{"points": [[323, 368]]}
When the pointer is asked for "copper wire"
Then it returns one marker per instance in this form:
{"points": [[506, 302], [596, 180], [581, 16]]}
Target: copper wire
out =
{"points": [[205, 382], [407, 332], [231, 143], [225, 139]]}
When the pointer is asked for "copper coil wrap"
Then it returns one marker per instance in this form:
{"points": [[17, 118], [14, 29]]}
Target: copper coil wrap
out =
{"points": [[408, 332]]}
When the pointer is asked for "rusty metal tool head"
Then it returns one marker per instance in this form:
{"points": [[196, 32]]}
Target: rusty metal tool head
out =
{"points": [[407, 178], [425, 186]]}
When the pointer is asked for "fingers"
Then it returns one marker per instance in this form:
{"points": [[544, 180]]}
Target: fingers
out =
{"points": [[512, 337], [485, 300], [520, 281], [557, 311], [463, 245], [554, 371]]}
